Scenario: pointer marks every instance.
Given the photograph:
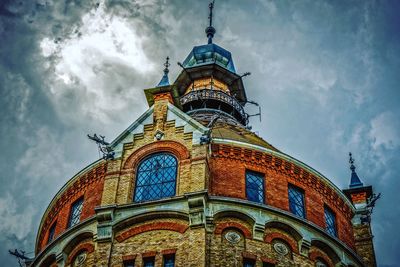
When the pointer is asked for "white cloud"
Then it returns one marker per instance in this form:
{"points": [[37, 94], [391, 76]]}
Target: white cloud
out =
{"points": [[385, 130], [13, 219]]}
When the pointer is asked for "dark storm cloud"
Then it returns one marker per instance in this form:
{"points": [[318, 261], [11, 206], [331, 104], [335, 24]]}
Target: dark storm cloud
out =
{"points": [[325, 74]]}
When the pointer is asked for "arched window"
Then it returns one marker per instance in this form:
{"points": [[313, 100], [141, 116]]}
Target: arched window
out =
{"points": [[156, 177]]}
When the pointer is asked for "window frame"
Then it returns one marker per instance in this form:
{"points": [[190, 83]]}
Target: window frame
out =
{"points": [[328, 210], [303, 193], [262, 178], [71, 218], [137, 174]]}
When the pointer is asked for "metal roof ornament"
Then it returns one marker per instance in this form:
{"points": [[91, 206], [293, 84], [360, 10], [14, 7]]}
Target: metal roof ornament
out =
{"points": [[354, 181], [210, 30], [164, 80]]}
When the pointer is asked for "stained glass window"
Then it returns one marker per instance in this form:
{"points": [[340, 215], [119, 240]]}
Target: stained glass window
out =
{"points": [[330, 221], [169, 260], [52, 230], [156, 177], [296, 201], [148, 262], [75, 213], [255, 186]]}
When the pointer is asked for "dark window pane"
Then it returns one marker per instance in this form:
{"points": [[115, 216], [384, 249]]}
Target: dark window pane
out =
{"points": [[75, 213], [52, 230], [296, 201], [169, 260], [330, 221], [129, 263], [148, 262], [156, 177], [255, 186], [248, 263], [267, 264]]}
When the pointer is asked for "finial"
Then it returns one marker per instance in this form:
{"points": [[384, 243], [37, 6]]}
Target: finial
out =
{"points": [[164, 80], [354, 181], [166, 64], [210, 30], [351, 161]]}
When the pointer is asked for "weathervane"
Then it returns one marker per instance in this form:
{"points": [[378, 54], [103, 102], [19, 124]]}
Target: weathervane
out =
{"points": [[351, 161], [210, 30], [20, 255], [103, 146]]}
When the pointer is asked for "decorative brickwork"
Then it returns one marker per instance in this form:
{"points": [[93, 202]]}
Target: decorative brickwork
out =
{"points": [[90, 186], [171, 226], [89, 248], [276, 235], [225, 225], [316, 254], [278, 173], [176, 148]]}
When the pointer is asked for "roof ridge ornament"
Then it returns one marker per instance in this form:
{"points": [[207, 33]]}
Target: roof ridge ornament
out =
{"points": [[210, 30], [165, 80], [355, 180]]}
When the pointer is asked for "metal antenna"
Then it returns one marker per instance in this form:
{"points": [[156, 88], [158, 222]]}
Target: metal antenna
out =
{"points": [[210, 30]]}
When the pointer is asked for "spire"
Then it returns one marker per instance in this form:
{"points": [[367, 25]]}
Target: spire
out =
{"points": [[210, 30], [164, 80], [355, 181]]}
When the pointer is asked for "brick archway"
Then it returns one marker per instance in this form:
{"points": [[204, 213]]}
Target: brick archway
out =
{"points": [[176, 148]]}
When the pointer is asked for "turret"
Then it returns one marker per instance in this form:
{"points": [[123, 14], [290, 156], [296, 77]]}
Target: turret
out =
{"points": [[364, 200]]}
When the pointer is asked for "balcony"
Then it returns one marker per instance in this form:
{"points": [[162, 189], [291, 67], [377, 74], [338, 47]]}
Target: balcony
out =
{"points": [[214, 99]]}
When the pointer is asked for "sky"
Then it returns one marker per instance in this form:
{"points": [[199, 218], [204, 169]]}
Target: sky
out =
{"points": [[326, 74]]}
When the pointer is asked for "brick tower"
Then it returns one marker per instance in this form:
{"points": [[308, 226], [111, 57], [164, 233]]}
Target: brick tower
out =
{"points": [[188, 184]]}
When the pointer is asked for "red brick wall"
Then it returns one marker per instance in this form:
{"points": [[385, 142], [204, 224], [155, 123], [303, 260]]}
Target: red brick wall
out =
{"points": [[229, 164], [90, 186]]}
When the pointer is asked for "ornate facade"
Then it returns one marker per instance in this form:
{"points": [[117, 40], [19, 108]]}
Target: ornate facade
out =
{"points": [[188, 184]]}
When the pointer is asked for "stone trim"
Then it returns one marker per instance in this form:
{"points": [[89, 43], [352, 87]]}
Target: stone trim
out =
{"points": [[149, 254], [128, 257], [171, 226]]}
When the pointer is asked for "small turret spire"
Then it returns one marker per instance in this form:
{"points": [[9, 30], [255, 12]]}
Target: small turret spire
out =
{"points": [[354, 181], [210, 30], [164, 80]]}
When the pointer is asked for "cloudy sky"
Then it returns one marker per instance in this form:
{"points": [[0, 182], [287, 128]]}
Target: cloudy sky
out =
{"points": [[326, 73]]}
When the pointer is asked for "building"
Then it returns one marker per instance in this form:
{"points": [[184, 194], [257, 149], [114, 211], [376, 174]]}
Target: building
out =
{"points": [[188, 184]]}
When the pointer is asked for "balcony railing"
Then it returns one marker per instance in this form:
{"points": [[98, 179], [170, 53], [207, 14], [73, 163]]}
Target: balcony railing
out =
{"points": [[205, 94]]}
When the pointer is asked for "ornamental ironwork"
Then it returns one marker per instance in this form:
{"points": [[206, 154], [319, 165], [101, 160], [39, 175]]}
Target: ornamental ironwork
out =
{"points": [[204, 94]]}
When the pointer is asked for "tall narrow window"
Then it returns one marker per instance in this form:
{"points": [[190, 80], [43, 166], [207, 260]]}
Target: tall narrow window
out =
{"points": [[296, 201], [148, 262], [255, 186], [169, 260], [156, 177], [75, 213], [52, 231], [330, 221]]}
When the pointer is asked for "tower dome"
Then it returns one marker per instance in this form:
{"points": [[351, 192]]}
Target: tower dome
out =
{"points": [[188, 184]]}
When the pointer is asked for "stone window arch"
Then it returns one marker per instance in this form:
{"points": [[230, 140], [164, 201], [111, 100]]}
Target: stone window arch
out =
{"points": [[156, 177]]}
